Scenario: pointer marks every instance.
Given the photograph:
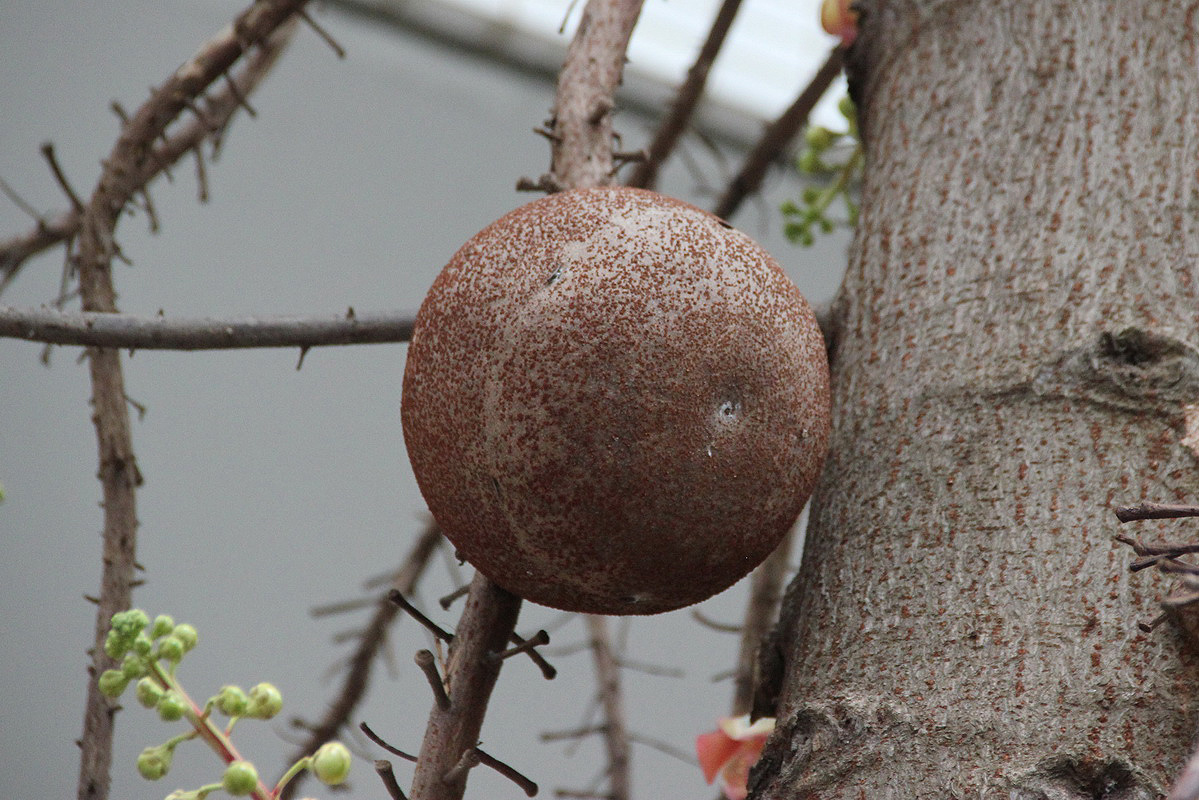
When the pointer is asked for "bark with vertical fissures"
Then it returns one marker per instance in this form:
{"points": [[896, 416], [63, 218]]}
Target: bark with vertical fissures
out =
{"points": [[1014, 354]]}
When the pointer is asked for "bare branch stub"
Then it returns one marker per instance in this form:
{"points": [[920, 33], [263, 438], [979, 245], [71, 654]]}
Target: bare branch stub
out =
{"points": [[1155, 511], [428, 665], [388, 776]]}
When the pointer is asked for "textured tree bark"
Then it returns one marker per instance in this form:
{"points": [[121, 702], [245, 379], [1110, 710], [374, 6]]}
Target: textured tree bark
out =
{"points": [[1014, 355]]}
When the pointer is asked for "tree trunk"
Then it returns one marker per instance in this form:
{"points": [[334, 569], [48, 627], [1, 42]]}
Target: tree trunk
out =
{"points": [[1014, 355]]}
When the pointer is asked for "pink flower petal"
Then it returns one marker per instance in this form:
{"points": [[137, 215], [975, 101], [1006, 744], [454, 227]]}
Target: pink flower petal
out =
{"points": [[713, 750]]}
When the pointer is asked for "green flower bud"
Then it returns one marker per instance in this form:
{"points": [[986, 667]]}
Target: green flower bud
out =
{"points": [[163, 625], [142, 645], [115, 645], [231, 701], [809, 161], [846, 107], [331, 763], [112, 683], [187, 635], [148, 692], [240, 778], [130, 623], [819, 138], [265, 702], [810, 194], [171, 706], [133, 666], [171, 649], [155, 762]]}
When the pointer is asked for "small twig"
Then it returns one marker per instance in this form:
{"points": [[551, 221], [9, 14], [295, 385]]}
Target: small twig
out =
{"points": [[646, 668], [448, 600], [60, 177], [388, 776], [525, 646], [428, 665], [529, 787], [577, 733], [777, 136], [201, 175], [398, 598], [708, 622], [19, 201], [133, 332], [377, 739], [686, 100], [664, 747], [321, 32], [547, 669], [1155, 511], [1160, 550], [237, 95]]}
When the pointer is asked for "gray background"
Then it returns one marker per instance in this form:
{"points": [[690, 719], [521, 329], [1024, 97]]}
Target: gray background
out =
{"points": [[268, 490]]}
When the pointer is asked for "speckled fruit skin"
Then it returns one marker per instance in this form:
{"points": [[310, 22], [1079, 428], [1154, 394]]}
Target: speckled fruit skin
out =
{"points": [[614, 402]]}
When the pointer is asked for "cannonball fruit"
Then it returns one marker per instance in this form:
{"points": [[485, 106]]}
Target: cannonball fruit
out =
{"points": [[614, 402]]}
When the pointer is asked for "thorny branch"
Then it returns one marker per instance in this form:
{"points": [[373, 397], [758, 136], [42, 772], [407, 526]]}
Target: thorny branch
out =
{"points": [[485, 627], [686, 99], [219, 106], [581, 130], [777, 136], [119, 182], [616, 732], [357, 674], [131, 332]]}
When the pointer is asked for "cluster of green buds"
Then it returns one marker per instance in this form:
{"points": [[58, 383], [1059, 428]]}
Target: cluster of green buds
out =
{"points": [[149, 653], [820, 143]]}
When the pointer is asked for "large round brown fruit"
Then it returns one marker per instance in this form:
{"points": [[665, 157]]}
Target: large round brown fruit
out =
{"points": [[615, 403]]}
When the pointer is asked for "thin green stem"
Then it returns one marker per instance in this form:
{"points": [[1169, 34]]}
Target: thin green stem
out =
{"points": [[204, 726], [292, 771]]}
